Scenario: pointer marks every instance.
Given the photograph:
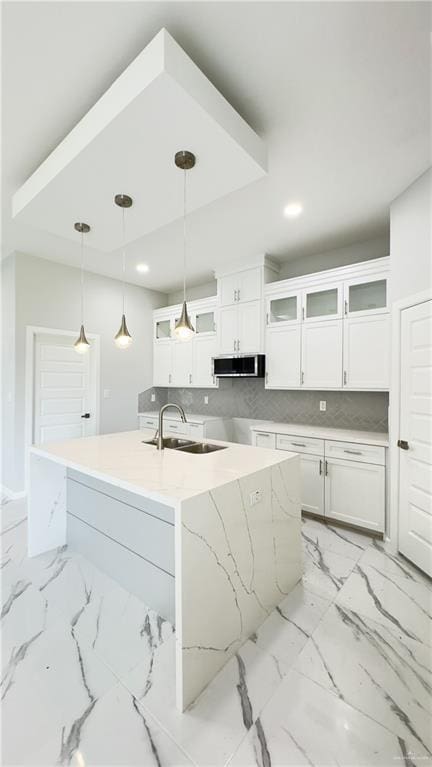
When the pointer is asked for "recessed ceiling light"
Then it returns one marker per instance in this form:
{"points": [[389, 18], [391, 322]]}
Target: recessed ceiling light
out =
{"points": [[293, 209], [142, 268]]}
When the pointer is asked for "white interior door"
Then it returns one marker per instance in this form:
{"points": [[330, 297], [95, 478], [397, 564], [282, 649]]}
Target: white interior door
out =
{"points": [[64, 390], [415, 467]]}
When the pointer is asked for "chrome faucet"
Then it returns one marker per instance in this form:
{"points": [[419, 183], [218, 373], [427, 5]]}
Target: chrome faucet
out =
{"points": [[160, 442]]}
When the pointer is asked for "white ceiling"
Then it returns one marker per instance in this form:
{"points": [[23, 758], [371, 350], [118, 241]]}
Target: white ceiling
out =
{"points": [[340, 93]]}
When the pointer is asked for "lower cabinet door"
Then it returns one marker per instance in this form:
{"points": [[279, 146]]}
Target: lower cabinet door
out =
{"points": [[355, 493], [283, 352], [162, 363], [312, 484]]}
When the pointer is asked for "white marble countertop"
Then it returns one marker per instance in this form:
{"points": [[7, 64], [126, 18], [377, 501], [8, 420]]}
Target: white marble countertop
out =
{"points": [[380, 439], [174, 415], [167, 476]]}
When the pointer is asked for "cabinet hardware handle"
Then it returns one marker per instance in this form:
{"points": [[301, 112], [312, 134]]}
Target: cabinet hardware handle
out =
{"points": [[298, 444], [346, 307], [303, 313], [326, 468], [345, 378], [353, 452], [169, 378], [266, 377], [238, 344], [214, 380], [302, 377], [173, 426], [238, 295], [190, 377], [263, 434], [320, 466], [235, 295], [403, 444], [267, 319], [235, 344]]}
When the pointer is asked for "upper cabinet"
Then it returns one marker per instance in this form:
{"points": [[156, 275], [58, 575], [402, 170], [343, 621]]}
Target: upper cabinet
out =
{"points": [[365, 296], [241, 328], [163, 328], [241, 287], [283, 309], [322, 303]]}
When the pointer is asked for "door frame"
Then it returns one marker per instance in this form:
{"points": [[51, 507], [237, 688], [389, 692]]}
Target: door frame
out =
{"points": [[392, 527], [31, 332]]}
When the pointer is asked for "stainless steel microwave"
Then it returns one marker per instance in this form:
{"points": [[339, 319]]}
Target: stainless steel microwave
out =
{"points": [[240, 366]]}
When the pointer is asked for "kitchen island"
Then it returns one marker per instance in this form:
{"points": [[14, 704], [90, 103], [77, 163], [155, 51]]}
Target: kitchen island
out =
{"points": [[211, 542]]}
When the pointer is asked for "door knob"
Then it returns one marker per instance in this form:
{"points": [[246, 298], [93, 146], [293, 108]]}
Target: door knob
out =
{"points": [[86, 415], [403, 444]]}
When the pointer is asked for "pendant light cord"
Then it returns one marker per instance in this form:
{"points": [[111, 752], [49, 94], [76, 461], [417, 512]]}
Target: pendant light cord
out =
{"points": [[184, 234], [124, 257], [82, 278]]}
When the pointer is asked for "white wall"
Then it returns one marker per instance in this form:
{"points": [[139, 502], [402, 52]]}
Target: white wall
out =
{"points": [[330, 259], [8, 369], [193, 293], [410, 239], [47, 294]]}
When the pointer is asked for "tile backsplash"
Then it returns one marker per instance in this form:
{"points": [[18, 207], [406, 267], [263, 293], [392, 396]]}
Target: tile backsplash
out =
{"points": [[367, 411]]}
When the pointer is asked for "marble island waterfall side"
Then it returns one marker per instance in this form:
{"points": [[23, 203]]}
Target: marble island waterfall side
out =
{"points": [[210, 542]]}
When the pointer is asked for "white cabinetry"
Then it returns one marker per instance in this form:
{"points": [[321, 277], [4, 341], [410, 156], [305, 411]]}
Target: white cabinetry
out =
{"points": [[355, 493], [241, 328], [343, 321], [366, 352], [241, 287], [283, 353], [185, 363], [339, 480], [322, 355]]}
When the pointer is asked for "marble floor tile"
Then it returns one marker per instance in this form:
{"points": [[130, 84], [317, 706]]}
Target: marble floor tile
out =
{"points": [[339, 540], [48, 688], [285, 632], [371, 668], [380, 557], [402, 606], [324, 571], [13, 536], [116, 730], [123, 631], [24, 617], [304, 724], [213, 727]]}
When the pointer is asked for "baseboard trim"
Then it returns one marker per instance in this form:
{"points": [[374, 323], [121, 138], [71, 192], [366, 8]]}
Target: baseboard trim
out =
{"points": [[12, 495]]}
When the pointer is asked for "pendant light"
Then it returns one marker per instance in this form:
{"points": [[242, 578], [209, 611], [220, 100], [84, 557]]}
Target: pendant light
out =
{"points": [[81, 345], [123, 338], [184, 329]]}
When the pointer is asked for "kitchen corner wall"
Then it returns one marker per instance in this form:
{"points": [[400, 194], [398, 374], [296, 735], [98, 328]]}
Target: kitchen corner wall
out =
{"points": [[367, 411]]}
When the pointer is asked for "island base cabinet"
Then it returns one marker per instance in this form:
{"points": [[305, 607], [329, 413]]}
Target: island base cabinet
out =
{"points": [[355, 493], [312, 485]]}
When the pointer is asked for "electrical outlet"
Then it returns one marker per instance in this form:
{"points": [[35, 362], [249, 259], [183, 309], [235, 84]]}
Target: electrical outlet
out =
{"points": [[323, 405], [255, 497], [153, 398], [206, 400], [107, 393]]}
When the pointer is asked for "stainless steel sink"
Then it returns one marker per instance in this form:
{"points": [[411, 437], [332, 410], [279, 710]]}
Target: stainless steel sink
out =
{"points": [[171, 442], [200, 448]]}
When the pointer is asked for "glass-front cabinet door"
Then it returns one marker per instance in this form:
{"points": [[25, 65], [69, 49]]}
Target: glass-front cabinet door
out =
{"points": [[163, 329], [283, 309], [368, 295], [322, 303], [205, 322]]}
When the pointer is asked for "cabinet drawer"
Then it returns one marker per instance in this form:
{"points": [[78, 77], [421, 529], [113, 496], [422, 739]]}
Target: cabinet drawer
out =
{"points": [[175, 427], [196, 430], [355, 452], [146, 422], [264, 439], [309, 445]]}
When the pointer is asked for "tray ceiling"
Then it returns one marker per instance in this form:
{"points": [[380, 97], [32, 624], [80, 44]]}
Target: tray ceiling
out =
{"points": [[126, 144]]}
